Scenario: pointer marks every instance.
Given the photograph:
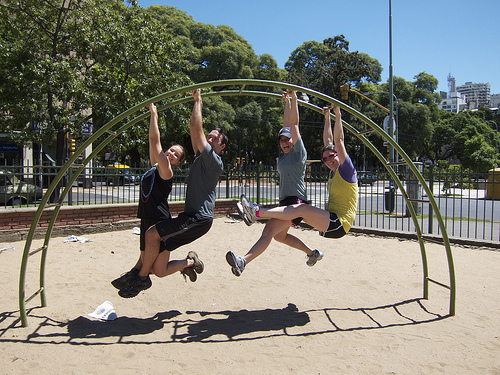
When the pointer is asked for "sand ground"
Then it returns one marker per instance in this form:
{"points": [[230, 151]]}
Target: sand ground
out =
{"points": [[358, 311]]}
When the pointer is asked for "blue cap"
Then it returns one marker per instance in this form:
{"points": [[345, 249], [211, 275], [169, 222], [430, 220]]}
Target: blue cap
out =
{"points": [[286, 132]]}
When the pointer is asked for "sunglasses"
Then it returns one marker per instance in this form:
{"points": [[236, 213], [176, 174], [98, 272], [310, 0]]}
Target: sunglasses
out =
{"points": [[329, 157]]}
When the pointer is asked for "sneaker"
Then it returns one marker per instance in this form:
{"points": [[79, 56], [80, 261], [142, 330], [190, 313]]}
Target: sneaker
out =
{"points": [[198, 264], [237, 263], [242, 214], [135, 287], [189, 272], [315, 256], [125, 279], [249, 208]]}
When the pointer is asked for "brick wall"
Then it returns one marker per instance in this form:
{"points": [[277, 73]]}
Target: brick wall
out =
{"points": [[15, 223]]}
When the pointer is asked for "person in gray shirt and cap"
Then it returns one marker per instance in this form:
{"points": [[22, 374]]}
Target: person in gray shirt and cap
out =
{"points": [[292, 190]]}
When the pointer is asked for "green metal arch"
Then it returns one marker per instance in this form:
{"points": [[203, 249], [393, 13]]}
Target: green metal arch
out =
{"points": [[232, 87]]}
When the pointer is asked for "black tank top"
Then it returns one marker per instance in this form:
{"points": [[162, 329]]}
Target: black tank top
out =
{"points": [[153, 202]]}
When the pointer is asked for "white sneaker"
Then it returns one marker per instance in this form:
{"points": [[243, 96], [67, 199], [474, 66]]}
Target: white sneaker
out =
{"points": [[250, 210], [315, 256]]}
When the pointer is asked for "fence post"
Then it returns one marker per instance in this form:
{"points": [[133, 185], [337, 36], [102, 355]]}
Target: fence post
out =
{"points": [[431, 210], [258, 183], [227, 181]]}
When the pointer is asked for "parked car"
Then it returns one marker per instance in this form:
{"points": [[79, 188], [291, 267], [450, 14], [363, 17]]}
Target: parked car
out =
{"points": [[15, 192], [366, 178], [120, 174]]}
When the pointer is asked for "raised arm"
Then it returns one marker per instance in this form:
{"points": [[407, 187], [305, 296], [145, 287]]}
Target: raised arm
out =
{"points": [[294, 116], [338, 134], [156, 154], [327, 128], [198, 139]]}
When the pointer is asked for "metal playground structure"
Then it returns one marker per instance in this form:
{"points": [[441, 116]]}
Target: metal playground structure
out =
{"points": [[233, 87]]}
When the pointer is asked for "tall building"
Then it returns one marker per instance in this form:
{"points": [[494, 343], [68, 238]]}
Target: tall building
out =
{"points": [[455, 101], [476, 94], [495, 101]]}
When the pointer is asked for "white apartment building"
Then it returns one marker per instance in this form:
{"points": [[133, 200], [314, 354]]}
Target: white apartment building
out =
{"points": [[476, 94], [454, 101], [495, 101]]}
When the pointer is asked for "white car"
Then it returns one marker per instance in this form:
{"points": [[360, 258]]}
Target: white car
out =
{"points": [[14, 192]]}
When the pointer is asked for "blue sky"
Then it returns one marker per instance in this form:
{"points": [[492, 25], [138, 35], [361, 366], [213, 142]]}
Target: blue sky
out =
{"points": [[438, 37]]}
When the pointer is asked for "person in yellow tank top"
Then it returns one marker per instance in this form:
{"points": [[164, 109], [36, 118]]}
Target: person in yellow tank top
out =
{"points": [[337, 219]]}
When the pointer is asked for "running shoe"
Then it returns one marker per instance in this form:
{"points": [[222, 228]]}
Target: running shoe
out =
{"points": [[249, 208], [135, 287], [198, 264], [189, 272], [242, 214], [237, 263], [125, 279], [315, 256]]}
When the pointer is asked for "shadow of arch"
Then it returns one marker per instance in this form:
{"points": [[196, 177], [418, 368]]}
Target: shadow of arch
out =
{"points": [[225, 326], [232, 87]]}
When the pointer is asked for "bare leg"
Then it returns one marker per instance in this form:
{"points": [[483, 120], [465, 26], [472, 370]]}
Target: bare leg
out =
{"points": [[314, 216], [152, 249], [292, 241], [272, 227], [277, 229], [163, 266]]}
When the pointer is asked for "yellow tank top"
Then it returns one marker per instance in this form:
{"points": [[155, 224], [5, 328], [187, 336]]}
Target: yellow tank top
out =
{"points": [[343, 199]]}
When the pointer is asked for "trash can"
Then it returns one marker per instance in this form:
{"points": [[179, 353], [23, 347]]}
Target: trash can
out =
{"points": [[414, 189], [493, 184], [389, 198]]}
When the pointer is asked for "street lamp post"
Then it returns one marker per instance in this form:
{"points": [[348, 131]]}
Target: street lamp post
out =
{"points": [[496, 136], [391, 82]]}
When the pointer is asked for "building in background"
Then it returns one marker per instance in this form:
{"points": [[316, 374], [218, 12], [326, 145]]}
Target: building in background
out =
{"points": [[454, 101], [476, 94], [495, 101]]}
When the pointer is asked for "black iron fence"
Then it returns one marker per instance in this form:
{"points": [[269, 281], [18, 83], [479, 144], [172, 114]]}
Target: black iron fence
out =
{"points": [[469, 202]]}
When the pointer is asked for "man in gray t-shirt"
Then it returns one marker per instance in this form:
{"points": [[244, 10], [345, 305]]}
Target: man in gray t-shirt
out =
{"points": [[196, 220]]}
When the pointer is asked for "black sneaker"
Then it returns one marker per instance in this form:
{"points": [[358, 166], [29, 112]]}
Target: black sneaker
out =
{"points": [[237, 263], [125, 279], [135, 287], [198, 264], [189, 272]]}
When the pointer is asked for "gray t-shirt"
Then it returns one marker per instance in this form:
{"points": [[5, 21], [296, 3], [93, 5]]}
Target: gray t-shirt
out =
{"points": [[292, 167], [201, 183]]}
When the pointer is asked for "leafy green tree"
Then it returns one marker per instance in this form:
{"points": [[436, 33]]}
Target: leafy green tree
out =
{"points": [[328, 65], [41, 78], [83, 59], [132, 58], [464, 136]]}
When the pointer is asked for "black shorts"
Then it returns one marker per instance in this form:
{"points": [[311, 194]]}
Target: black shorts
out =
{"points": [[288, 201], [335, 229], [145, 225], [183, 229]]}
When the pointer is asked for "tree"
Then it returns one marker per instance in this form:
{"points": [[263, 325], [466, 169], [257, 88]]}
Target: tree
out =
{"points": [[132, 58], [81, 60], [326, 66], [41, 80]]}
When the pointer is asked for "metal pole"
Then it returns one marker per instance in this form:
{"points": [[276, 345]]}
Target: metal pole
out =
{"points": [[391, 84]]}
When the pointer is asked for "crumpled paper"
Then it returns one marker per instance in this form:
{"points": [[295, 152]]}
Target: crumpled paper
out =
{"points": [[76, 239], [8, 247]]}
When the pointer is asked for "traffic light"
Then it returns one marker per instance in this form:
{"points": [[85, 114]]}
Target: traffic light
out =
{"points": [[344, 91], [71, 146]]}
